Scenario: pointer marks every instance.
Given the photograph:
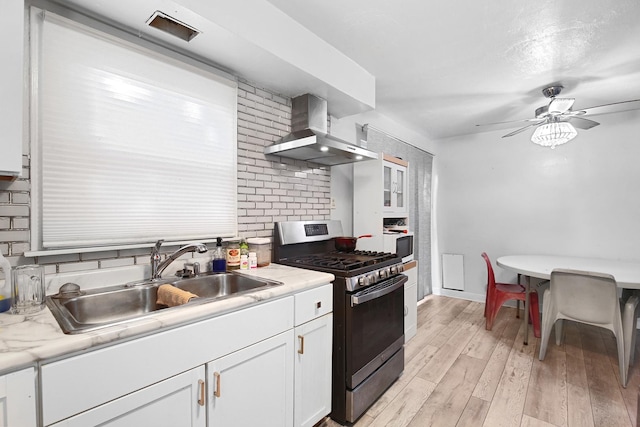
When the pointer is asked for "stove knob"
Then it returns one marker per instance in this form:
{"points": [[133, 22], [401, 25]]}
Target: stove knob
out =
{"points": [[393, 270], [372, 278], [383, 273], [400, 268], [363, 281]]}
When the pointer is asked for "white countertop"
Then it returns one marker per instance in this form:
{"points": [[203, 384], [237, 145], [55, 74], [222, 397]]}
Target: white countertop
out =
{"points": [[25, 340]]}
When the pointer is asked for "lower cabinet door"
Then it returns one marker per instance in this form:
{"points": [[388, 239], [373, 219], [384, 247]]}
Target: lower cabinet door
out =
{"points": [[176, 401], [313, 371], [253, 386], [18, 399]]}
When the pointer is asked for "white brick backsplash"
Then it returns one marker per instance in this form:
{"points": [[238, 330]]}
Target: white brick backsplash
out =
{"points": [[14, 236], [14, 210], [78, 266], [118, 262], [20, 198]]}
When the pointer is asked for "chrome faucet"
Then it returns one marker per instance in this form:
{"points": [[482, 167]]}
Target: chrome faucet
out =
{"points": [[158, 267]]}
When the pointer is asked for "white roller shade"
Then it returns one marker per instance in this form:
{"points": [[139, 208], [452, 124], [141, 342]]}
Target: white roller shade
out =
{"points": [[134, 146]]}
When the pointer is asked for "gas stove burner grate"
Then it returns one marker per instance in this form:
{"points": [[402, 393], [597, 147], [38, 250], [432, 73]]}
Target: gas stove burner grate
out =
{"points": [[343, 260]]}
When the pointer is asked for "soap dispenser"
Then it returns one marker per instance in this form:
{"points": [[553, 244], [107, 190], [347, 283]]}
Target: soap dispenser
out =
{"points": [[5, 291], [219, 263]]}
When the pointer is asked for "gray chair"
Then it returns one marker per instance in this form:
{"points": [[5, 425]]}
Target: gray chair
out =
{"points": [[630, 307], [585, 297]]}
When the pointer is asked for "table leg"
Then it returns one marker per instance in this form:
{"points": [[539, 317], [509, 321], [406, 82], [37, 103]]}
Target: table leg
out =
{"points": [[527, 285]]}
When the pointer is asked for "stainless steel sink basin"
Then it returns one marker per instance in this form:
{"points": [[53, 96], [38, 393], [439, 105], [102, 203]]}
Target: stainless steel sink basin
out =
{"points": [[78, 312], [222, 285]]}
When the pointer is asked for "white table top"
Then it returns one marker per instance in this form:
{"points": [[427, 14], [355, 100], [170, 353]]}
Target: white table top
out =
{"points": [[626, 273]]}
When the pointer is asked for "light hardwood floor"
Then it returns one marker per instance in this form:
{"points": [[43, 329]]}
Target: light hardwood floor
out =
{"points": [[459, 374]]}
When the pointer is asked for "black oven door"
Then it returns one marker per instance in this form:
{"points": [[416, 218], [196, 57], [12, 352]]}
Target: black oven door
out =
{"points": [[374, 327]]}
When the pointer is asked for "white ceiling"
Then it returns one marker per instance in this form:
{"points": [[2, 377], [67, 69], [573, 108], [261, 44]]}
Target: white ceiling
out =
{"points": [[443, 66]]}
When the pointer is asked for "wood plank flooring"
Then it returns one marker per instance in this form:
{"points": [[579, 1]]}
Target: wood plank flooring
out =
{"points": [[459, 374]]}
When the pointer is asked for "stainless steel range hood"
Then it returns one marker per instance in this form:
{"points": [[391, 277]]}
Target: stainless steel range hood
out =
{"points": [[309, 139]]}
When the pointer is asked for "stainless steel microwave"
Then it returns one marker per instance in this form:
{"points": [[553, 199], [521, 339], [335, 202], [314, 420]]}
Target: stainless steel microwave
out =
{"points": [[400, 243]]}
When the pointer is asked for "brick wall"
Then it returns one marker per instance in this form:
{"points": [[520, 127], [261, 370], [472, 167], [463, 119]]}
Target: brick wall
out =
{"points": [[269, 190]]}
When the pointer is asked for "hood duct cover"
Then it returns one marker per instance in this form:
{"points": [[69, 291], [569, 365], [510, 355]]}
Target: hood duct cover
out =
{"points": [[309, 139]]}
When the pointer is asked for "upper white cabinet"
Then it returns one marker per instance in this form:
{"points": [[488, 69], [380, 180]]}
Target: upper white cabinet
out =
{"points": [[381, 186], [11, 87], [394, 188], [380, 191], [18, 399]]}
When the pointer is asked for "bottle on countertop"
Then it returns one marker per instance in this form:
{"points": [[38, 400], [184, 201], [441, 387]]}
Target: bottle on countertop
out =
{"points": [[5, 291], [253, 260], [219, 263], [244, 262], [233, 255], [244, 248]]}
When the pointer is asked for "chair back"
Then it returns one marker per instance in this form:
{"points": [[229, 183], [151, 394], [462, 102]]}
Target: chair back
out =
{"points": [[491, 278], [585, 296]]}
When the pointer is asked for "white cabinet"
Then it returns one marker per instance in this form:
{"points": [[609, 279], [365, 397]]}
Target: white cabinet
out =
{"points": [[268, 365], [314, 335], [177, 401], [76, 384], [11, 87], [253, 386], [380, 191], [18, 399], [410, 300], [394, 186]]}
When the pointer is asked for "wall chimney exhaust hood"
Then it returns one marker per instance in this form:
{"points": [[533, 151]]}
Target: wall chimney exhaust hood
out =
{"points": [[309, 139]]}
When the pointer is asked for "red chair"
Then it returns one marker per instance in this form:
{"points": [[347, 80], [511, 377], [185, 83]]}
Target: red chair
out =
{"points": [[499, 293]]}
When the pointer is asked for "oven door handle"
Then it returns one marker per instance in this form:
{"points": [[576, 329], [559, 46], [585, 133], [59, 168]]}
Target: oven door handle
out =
{"points": [[362, 297]]}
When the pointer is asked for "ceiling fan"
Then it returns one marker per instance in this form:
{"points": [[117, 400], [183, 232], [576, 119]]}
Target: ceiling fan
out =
{"points": [[555, 122]]}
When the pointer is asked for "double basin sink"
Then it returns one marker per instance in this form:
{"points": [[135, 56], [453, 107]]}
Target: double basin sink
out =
{"points": [[82, 311]]}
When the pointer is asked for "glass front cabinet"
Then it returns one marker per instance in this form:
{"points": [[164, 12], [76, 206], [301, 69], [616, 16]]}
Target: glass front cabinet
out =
{"points": [[394, 191]]}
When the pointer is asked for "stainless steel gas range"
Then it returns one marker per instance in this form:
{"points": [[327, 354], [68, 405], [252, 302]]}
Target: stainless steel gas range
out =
{"points": [[368, 316]]}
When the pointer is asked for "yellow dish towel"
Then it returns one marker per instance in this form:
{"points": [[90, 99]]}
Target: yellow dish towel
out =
{"points": [[171, 296]]}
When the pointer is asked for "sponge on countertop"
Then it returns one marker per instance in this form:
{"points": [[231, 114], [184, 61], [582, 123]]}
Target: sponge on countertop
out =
{"points": [[171, 296]]}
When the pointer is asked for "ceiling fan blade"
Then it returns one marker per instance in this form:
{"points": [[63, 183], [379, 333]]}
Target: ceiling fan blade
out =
{"points": [[517, 131], [581, 123], [560, 105], [616, 107], [514, 122]]}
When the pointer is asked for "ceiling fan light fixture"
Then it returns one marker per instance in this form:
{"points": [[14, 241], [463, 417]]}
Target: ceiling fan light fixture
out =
{"points": [[554, 133]]}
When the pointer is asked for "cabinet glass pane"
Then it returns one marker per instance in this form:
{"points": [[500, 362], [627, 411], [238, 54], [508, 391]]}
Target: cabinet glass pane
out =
{"points": [[387, 186], [400, 189]]}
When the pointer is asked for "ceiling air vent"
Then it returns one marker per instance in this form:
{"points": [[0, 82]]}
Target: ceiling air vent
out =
{"points": [[172, 26]]}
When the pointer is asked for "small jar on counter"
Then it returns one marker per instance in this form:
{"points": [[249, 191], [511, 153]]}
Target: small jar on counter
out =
{"points": [[244, 262], [233, 255], [262, 247]]}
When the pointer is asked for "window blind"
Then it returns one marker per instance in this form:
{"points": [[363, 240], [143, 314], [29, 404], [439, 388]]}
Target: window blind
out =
{"points": [[133, 146]]}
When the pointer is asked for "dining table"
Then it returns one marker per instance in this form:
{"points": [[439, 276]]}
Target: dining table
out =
{"points": [[626, 273]]}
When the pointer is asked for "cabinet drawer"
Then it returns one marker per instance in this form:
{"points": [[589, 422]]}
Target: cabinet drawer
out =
{"points": [[313, 303]]}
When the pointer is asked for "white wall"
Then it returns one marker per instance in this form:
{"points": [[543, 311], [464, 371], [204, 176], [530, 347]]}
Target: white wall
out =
{"points": [[510, 196]]}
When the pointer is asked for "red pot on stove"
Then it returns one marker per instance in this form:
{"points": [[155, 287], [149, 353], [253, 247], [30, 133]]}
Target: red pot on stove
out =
{"points": [[348, 244]]}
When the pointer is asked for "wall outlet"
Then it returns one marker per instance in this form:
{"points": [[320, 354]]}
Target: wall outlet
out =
{"points": [[333, 203]]}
